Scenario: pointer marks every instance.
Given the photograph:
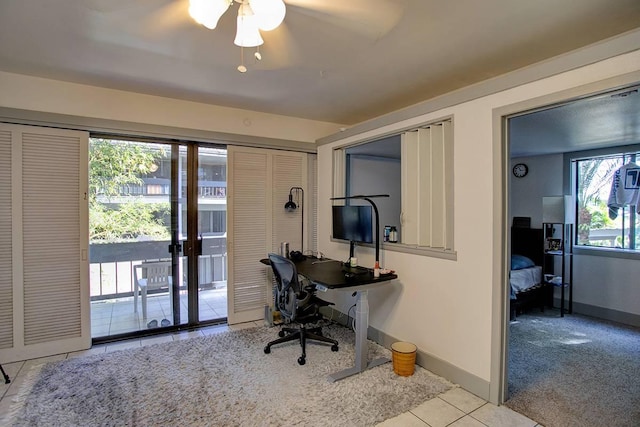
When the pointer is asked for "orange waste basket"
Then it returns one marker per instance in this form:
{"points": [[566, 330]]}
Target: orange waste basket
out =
{"points": [[404, 358]]}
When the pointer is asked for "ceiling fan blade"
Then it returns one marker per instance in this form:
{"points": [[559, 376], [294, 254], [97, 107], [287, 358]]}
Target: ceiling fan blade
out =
{"points": [[168, 17], [108, 6], [371, 18]]}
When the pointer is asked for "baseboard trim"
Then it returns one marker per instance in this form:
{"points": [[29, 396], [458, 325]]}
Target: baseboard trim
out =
{"points": [[604, 313], [440, 367]]}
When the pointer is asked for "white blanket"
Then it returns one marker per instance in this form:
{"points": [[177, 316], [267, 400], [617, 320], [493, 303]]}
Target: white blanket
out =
{"points": [[523, 279]]}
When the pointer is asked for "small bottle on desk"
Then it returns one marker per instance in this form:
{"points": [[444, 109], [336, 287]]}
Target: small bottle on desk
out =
{"points": [[393, 234]]}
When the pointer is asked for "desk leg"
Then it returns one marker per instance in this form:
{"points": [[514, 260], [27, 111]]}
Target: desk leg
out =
{"points": [[362, 325]]}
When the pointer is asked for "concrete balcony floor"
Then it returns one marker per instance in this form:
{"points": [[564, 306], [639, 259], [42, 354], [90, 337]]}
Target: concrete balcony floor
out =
{"points": [[117, 316]]}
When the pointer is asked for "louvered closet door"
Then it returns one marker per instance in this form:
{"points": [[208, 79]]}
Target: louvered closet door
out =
{"points": [[258, 184], [289, 170], [6, 290], [312, 201], [49, 263]]}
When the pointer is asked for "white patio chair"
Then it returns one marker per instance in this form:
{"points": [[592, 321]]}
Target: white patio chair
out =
{"points": [[151, 276]]}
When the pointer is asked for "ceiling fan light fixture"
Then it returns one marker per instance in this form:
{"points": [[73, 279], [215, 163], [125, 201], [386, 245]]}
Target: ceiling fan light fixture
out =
{"points": [[248, 34], [208, 12], [270, 13]]}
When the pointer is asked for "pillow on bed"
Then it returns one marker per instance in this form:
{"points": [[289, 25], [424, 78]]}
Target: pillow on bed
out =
{"points": [[518, 262]]}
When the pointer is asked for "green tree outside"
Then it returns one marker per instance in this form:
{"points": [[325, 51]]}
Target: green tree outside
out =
{"points": [[112, 166]]}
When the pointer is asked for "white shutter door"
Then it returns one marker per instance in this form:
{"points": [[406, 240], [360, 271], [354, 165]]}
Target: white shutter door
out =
{"points": [[6, 291], [249, 236], [289, 170], [49, 241], [436, 171], [258, 182], [448, 184], [312, 199], [427, 186], [50, 225], [409, 188]]}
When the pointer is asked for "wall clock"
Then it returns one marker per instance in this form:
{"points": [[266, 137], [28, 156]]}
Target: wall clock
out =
{"points": [[520, 170]]}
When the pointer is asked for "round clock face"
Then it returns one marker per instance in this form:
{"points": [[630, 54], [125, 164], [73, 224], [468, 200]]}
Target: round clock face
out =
{"points": [[520, 170]]}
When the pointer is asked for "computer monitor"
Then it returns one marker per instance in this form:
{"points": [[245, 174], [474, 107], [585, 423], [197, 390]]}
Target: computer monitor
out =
{"points": [[353, 223]]}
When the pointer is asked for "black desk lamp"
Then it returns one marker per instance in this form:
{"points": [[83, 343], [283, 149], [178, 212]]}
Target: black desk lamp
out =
{"points": [[375, 210], [291, 206]]}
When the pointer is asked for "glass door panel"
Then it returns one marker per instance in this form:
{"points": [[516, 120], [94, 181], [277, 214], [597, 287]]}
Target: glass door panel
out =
{"points": [[212, 232], [132, 259]]}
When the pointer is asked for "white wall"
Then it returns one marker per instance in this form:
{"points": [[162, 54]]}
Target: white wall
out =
{"points": [[545, 178], [609, 284], [52, 96], [377, 175], [446, 307]]}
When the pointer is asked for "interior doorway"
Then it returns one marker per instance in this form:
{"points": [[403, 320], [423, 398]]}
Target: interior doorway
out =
{"points": [[546, 162]]}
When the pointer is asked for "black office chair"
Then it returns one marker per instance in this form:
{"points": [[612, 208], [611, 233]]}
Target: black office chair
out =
{"points": [[296, 304]]}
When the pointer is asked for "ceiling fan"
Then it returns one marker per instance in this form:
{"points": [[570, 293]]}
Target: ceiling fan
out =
{"points": [[366, 18]]}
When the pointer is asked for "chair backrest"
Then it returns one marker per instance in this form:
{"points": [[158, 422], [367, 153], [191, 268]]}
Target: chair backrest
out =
{"points": [[287, 284], [157, 274]]}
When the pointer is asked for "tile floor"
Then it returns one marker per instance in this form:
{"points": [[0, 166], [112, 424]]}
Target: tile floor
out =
{"points": [[116, 316], [454, 408]]}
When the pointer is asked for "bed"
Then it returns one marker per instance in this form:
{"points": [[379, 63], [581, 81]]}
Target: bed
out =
{"points": [[526, 276]]}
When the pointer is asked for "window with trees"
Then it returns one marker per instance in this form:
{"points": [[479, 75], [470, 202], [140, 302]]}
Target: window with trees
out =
{"points": [[600, 222], [117, 211]]}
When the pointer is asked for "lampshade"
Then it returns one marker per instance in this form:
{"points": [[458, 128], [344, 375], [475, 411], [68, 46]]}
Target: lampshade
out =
{"points": [[558, 209], [208, 12], [270, 13], [290, 205], [248, 34]]}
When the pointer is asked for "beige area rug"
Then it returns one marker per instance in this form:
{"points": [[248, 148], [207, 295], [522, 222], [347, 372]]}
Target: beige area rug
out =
{"points": [[221, 380]]}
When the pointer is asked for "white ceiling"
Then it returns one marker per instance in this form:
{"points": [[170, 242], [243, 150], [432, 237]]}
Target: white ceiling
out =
{"points": [[337, 61], [605, 120]]}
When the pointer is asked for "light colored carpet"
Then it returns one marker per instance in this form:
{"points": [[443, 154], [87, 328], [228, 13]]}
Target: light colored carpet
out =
{"points": [[574, 371], [222, 380]]}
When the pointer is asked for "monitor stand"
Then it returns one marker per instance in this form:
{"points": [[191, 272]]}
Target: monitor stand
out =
{"points": [[352, 250]]}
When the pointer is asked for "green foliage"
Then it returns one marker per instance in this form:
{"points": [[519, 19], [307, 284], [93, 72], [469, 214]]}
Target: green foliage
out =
{"points": [[113, 165], [599, 214], [131, 220]]}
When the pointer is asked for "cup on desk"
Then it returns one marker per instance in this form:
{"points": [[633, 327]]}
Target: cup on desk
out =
{"points": [[353, 261], [284, 249]]}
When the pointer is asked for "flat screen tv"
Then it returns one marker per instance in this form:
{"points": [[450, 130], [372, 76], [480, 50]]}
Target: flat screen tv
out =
{"points": [[353, 223]]}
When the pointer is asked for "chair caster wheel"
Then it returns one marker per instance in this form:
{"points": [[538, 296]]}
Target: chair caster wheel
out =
{"points": [[281, 334], [267, 350], [301, 361], [334, 347]]}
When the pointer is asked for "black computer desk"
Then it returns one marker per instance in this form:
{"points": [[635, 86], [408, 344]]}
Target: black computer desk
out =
{"points": [[328, 274]]}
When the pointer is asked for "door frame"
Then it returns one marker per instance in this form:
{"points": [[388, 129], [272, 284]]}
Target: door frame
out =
{"points": [[498, 386]]}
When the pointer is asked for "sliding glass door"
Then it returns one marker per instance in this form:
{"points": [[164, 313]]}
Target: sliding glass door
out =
{"points": [[212, 233], [157, 235]]}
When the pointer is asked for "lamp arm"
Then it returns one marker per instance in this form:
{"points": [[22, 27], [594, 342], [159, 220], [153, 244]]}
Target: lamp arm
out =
{"points": [[375, 210], [301, 190]]}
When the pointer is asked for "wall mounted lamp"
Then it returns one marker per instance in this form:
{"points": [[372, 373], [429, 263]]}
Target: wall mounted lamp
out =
{"points": [[291, 206]]}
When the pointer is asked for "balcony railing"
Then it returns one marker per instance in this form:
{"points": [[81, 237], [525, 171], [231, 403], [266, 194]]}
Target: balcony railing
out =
{"points": [[111, 265]]}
